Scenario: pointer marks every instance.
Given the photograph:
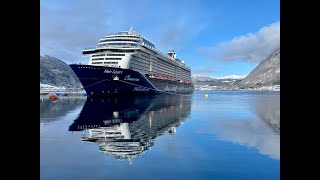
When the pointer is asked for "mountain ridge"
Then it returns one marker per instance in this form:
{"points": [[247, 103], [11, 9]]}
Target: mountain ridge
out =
{"points": [[56, 72], [267, 73], [266, 76]]}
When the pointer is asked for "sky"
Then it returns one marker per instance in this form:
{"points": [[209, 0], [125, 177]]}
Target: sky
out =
{"points": [[214, 38]]}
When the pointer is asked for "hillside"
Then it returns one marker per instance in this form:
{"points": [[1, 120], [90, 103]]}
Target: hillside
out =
{"points": [[209, 83], [55, 72], [267, 73], [264, 77]]}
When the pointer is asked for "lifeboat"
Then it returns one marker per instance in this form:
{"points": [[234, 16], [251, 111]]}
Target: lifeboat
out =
{"points": [[53, 98]]}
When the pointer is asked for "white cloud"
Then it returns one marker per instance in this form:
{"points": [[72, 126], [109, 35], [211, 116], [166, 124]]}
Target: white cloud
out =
{"points": [[65, 31], [68, 27], [203, 72], [251, 133], [253, 47]]}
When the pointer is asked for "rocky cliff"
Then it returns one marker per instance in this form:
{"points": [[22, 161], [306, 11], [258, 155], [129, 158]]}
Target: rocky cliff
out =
{"points": [[267, 73]]}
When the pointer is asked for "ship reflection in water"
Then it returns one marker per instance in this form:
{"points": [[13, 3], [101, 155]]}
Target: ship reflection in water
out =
{"points": [[125, 127]]}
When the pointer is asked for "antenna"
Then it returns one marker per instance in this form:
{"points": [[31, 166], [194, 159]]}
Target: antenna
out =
{"points": [[130, 30]]}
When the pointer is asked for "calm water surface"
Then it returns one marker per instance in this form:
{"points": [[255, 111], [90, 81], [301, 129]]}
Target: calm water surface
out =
{"points": [[228, 135]]}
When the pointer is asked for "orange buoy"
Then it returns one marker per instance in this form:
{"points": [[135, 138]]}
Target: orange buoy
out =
{"points": [[53, 98]]}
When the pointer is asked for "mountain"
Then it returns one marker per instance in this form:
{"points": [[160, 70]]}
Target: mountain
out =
{"points": [[55, 72], [266, 74], [264, 77], [201, 80]]}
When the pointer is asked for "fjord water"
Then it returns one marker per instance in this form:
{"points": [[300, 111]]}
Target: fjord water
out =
{"points": [[226, 135]]}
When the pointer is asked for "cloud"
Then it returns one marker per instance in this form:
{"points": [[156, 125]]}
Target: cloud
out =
{"points": [[251, 47], [252, 133], [245, 132], [65, 31], [261, 132], [178, 35], [67, 27], [204, 71], [173, 36]]}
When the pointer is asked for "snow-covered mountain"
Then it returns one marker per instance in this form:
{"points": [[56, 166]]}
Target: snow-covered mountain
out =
{"points": [[266, 76], [54, 71], [222, 81], [267, 73], [231, 77]]}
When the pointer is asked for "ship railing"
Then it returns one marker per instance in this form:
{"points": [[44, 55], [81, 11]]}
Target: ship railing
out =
{"points": [[109, 65], [167, 77], [112, 46], [89, 48], [117, 46]]}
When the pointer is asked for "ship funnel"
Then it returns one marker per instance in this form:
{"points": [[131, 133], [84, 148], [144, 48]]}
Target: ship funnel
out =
{"points": [[172, 54]]}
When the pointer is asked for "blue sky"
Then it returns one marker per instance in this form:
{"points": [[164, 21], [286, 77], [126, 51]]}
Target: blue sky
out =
{"points": [[215, 38]]}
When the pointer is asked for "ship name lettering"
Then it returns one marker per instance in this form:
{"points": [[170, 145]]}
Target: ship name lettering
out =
{"points": [[108, 71], [128, 78]]}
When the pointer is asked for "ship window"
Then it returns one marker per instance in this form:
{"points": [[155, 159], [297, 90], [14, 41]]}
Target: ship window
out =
{"points": [[96, 59], [115, 54], [148, 42], [110, 62], [121, 50], [97, 63], [96, 55], [113, 58]]}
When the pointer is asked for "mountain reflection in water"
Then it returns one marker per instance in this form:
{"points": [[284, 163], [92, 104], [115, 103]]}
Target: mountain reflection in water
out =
{"points": [[268, 110], [261, 130], [50, 112], [125, 127]]}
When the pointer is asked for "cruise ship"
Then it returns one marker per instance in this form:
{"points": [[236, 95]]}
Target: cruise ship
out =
{"points": [[127, 63]]}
